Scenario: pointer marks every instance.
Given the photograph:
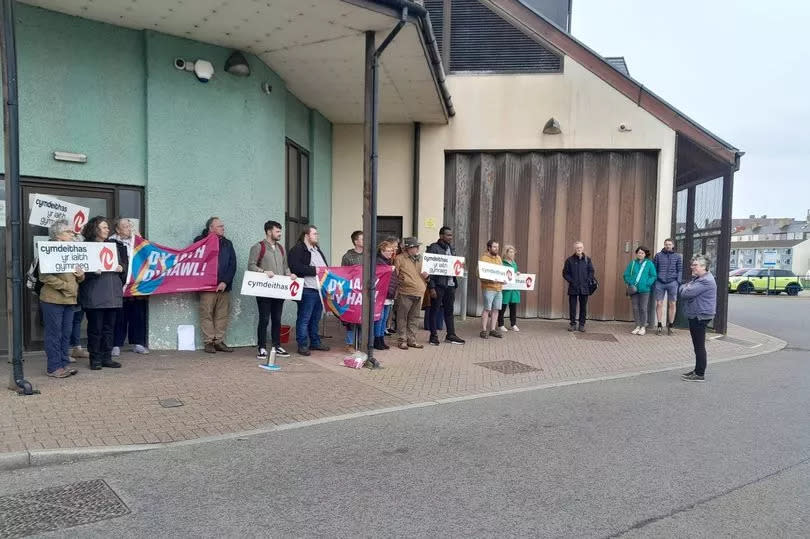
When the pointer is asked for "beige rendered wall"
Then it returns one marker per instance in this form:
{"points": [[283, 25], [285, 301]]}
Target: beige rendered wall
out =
{"points": [[395, 180], [508, 112]]}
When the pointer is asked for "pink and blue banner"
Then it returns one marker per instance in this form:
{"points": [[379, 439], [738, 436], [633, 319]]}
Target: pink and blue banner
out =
{"points": [[155, 269], [342, 291]]}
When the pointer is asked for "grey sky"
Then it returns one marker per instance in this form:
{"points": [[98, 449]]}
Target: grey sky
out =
{"points": [[739, 68]]}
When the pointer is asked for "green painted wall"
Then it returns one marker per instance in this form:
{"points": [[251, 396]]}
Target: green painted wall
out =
{"points": [[81, 88], [199, 149]]}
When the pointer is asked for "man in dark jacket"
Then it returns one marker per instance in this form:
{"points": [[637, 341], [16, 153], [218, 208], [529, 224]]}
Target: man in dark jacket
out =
{"points": [[442, 290], [669, 266], [579, 273], [305, 258], [215, 306]]}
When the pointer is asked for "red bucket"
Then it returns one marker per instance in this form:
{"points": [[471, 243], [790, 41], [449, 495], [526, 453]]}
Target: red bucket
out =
{"points": [[285, 334]]}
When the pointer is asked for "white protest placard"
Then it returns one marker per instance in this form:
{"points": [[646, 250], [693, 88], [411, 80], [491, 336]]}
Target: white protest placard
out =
{"points": [[256, 283], [450, 266], [495, 272], [46, 210], [66, 256], [522, 281]]}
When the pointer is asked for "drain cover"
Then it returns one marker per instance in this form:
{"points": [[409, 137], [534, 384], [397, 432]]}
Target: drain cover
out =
{"points": [[170, 403], [508, 367], [601, 337], [58, 508]]}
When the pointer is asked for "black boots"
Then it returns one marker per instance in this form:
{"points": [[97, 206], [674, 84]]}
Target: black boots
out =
{"points": [[379, 344]]}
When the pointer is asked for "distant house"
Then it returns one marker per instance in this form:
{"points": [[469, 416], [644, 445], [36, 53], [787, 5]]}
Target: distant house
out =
{"points": [[790, 239]]}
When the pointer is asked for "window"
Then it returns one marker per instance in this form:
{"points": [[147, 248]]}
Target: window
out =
{"points": [[297, 215], [389, 226]]}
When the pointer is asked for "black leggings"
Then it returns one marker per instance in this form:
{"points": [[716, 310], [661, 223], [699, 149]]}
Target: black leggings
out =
{"points": [[697, 329], [512, 314]]}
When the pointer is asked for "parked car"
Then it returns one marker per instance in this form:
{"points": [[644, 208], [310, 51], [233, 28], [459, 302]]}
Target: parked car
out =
{"points": [[758, 280]]}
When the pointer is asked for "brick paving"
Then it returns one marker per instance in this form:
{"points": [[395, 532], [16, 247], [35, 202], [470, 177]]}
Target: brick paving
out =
{"points": [[227, 393]]}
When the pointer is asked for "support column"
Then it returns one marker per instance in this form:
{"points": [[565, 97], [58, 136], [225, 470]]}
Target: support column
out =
{"points": [[369, 191]]}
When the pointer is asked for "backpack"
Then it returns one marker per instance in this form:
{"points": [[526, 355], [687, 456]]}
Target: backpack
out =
{"points": [[32, 281], [263, 251]]}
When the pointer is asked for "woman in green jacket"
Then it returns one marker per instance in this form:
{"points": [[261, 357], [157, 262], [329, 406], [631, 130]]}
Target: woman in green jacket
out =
{"points": [[639, 278], [511, 298]]}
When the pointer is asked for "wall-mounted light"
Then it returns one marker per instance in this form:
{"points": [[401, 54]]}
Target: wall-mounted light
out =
{"points": [[552, 127], [237, 64], [70, 157]]}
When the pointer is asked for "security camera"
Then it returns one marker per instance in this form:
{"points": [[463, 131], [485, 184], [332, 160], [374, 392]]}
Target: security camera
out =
{"points": [[267, 88], [624, 128], [180, 64], [204, 70]]}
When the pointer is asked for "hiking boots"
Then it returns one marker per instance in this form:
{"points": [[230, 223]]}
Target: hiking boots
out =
{"points": [[495, 333], [209, 348], [222, 347]]}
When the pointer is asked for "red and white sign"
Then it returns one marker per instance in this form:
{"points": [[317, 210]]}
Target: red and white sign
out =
{"points": [[256, 283], [521, 281], [46, 210], [66, 256], [449, 266]]}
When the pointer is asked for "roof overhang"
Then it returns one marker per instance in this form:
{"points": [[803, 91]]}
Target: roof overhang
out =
{"points": [[316, 46], [535, 24]]}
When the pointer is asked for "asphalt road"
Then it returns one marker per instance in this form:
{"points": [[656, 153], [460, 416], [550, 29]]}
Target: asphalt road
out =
{"points": [[649, 456]]}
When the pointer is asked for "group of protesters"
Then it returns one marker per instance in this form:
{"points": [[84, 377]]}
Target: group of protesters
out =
{"points": [[65, 299]]}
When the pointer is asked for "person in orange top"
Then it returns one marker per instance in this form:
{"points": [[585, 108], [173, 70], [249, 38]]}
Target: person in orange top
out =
{"points": [[493, 297]]}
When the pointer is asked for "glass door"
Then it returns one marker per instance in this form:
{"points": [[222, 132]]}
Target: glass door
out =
{"points": [[99, 201]]}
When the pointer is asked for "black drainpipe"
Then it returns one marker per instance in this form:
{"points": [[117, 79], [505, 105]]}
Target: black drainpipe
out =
{"points": [[11, 131], [417, 141]]}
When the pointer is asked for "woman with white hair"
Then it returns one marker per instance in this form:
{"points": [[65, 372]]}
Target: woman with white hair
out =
{"points": [[700, 302], [57, 303]]}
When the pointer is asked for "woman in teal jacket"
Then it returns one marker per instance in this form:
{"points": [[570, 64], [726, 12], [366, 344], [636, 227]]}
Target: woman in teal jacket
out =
{"points": [[641, 275], [511, 298]]}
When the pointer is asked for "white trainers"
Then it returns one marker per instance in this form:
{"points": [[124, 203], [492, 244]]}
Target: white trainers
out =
{"points": [[116, 351], [140, 349], [635, 331], [515, 328], [642, 331], [503, 329]]}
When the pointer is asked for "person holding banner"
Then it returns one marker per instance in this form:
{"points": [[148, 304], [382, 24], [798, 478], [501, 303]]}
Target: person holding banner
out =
{"points": [[411, 287], [101, 295], [268, 257], [57, 304], [131, 319], [385, 257], [305, 258], [353, 257], [579, 273], [639, 277], [442, 291], [493, 297], [511, 298], [215, 306]]}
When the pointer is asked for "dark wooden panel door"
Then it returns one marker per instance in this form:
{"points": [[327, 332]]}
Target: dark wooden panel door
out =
{"points": [[542, 202]]}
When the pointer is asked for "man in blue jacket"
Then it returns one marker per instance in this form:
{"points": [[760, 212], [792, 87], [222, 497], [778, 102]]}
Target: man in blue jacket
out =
{"points": [[215, 306], [669, 266]]}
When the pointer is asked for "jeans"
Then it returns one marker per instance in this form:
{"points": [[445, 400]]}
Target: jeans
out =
{"points": [[270, 310], [697, 329], [512, 314], [351, 333], [572, 309], [443, 305], [58, 321], [76, 331], [100, 330], [309, 315], [382, 323], [131, 322], [640, 303]]}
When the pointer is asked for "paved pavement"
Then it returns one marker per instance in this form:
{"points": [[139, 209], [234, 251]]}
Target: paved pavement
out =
{"points": [[643, 456], [227, 393]]}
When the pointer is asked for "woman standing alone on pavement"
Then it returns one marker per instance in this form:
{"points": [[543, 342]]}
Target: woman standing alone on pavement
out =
{"points": [[700, 303]]}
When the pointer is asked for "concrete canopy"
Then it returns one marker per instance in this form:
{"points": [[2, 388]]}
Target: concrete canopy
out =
{"points": [[316, 46]]}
